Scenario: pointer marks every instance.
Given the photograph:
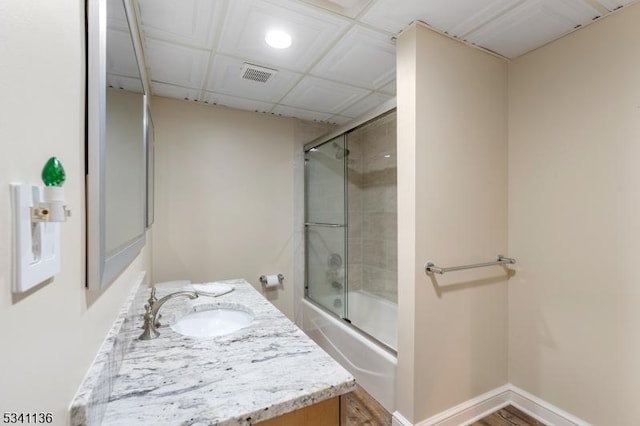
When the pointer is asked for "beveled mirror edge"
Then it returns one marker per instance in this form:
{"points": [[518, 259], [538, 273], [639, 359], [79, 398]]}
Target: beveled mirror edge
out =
{"points": [[133, 16]]}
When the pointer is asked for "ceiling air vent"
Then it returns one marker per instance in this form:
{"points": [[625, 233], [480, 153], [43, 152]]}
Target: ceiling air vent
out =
{"points": [[257, 73]]}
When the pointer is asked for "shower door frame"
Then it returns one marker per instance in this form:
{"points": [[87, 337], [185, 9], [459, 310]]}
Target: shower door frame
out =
{"points": [[344, 227]]}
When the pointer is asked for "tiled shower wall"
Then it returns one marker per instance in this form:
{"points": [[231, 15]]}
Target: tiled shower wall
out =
{"points": [[372, 186]]}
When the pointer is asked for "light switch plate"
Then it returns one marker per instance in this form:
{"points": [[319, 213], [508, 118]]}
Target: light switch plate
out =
{"points": [[36, 245]]}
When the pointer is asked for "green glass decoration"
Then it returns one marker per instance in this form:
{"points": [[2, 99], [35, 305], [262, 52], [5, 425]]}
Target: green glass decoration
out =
{"points": [[53, 173]]}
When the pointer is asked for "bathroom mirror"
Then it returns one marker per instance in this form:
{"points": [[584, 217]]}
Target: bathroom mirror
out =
{"points": [[117, 114]]}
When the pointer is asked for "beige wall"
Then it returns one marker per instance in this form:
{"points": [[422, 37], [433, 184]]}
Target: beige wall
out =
{"points": [[49, 336], [574, 221], [225, 195], [452, 209]]}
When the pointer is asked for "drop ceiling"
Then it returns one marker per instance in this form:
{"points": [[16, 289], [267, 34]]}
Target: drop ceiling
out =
{"points": [[341, 63]]}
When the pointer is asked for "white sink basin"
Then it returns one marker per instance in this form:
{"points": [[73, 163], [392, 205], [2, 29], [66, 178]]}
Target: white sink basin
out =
{"points": [[212, 322]]}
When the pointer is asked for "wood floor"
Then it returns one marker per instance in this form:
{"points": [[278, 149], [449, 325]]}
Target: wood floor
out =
{"points": [[358, 408], [508, 416]]}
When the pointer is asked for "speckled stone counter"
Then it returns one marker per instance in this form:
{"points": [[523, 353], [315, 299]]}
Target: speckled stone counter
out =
{"points": [[262, 371]]}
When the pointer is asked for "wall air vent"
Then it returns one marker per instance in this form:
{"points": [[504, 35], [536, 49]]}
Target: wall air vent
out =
{"points": [[257, 73]]}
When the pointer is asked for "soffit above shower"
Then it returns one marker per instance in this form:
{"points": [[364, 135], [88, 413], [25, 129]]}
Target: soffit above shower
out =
{"points": [[342, 59]]}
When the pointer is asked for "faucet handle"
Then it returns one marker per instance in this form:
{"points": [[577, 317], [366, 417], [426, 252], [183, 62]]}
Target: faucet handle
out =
{"points": [[152, 301], [152, 298], [149, 329]]}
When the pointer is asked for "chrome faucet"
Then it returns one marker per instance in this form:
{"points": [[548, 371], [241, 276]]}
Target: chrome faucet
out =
{"points": [[151, 312]]}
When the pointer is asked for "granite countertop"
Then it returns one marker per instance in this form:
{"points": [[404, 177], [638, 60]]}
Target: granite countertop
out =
{"points": [[262, 371]]}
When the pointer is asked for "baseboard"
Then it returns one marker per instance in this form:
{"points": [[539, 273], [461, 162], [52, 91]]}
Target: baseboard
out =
{"points": [[398, 419], [542, 410], [464, 413], [476, 408]]}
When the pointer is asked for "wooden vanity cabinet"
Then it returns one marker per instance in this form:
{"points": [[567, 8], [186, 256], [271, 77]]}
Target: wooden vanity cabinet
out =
{"points": [[325, 413]]}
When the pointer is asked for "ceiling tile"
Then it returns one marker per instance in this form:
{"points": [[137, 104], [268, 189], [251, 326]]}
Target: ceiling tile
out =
{"points": [[480, 16], [314, 93], [300, 113], [350, 8], [126, 83], [238, 103], [531, 25], [169, 91], [389, 88], [121, 59], [190, 22], [363, 58], [614, 4], [173, 64], [116, 16], [365, 105], [579, 12], [248, 21], [226, 78], [340, 120], [176, 92], [394, 16]]}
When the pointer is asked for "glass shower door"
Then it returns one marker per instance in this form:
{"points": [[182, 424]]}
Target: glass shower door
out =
{"points": [[326, 225]]}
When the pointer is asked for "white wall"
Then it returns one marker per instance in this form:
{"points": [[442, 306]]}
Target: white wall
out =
{"points": [[49, 336], [574, 221], [452, 209], [225, 191]]}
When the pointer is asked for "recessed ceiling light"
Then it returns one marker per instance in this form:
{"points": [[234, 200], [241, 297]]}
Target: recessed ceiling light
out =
{"points": [[278, 39]]}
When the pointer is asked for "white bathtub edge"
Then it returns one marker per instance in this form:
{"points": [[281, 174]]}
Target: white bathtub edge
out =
{"points": [[373, 367]]}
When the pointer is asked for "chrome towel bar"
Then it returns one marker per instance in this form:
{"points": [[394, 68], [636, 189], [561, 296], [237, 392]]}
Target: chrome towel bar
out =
{"points": [[326, 225], [431, 268]]}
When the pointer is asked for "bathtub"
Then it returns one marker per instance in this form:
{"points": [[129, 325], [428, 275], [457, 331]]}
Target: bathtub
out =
{"points": [[373, 366]]}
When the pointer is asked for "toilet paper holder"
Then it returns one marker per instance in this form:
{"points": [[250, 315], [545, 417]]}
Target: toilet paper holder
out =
{"points": [[264, 280]]}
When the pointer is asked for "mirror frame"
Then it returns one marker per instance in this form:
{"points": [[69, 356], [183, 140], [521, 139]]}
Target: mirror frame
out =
{"points": [[150, 158], [101, 267]]}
